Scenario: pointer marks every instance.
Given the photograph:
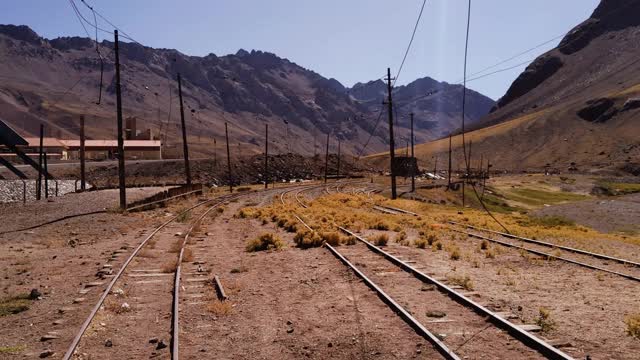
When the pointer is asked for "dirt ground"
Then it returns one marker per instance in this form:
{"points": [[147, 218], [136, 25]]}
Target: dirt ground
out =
{"points": [[288, 303]]}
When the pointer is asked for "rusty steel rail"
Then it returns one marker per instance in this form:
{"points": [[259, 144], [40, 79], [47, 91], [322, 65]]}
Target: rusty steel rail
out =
{"points": [[397, 308], [96, 308], [548, 256], [551, 245], [175, 326], [407, 212], [523, 336]]}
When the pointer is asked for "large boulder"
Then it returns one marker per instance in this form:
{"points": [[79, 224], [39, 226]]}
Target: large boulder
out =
{"points": [[598, 110]]}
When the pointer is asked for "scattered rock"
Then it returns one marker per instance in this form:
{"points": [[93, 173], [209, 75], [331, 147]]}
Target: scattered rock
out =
{"points": [[46, 354], [161, 345], [436, 314], [34, 294], [108, 343], [630, 104], [153, 341], [289, 330]]}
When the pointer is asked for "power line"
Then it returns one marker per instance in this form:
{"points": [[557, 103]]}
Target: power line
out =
{"points": [[413, 34]]}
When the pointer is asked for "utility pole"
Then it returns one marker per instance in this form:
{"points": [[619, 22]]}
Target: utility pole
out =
{"points": [[39, 189], [413, 156], [46, 176], [392, 155], [449, 182], [435, 166], [121, 177], [338, 159], [226, 134], [185, 145], [83, 178], [266, 156], [215, 153], [326, 161]]}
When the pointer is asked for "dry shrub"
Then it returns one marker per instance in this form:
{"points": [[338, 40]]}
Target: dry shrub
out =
{"points": [[438, 245], [183, 217], [544, 320], [176, 246], [421, 243], [380, 225], [146, 253], [219, 308], [484, 245], [381, 240], [332, 238], [266, 241], [307, 239], [14, 304], [350, 240], [633, 325], [401, 237], [489, 254], [169, 267], [187, 255], [463, 281], [454, 254], [116, 308], [431, 239]]}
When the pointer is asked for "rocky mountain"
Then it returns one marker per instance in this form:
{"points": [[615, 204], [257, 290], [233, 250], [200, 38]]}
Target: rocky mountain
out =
{"points": [[436, 105], [55, 81], [578, 103]]}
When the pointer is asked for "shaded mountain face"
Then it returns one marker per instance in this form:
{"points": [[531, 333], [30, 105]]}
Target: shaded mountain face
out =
{"points": [[437, 106], [55, 81], [579, 102]]}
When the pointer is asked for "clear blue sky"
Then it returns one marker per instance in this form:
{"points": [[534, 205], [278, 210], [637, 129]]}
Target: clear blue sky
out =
{"points": [[350, 40]]}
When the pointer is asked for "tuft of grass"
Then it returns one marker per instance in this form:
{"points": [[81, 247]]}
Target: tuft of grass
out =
{"points": [[421, 243], [238, 270], [187, 255], [219, 308], [463, 281], [633, 325], [169, 267], [544, 320], [350, 240], [489, 254], [14, 304], [183, 217], [266, 241], [13, 350], [332, 238], [455, 254], [484, 245], [381, 240], [438, 246], [380, 225], [307, 239]]}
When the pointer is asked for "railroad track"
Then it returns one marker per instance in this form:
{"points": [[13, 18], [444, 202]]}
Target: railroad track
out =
{"points": [[471, 321], [161, 237], [627, 269], [624, 268]]}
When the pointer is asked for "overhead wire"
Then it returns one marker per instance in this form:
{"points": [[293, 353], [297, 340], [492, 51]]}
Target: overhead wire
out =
{"points": [[464, 91], [413, 35]]}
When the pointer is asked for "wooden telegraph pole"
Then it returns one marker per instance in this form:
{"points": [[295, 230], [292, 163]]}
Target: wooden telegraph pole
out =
{"points": [[185, 145], [413, 172], [326, 161], [266, 156], [449, 182], [338, 172], [394, 194], [226, 134], [39, 182], [83, 178], [121, 176], [215, 153], [46, 176]]}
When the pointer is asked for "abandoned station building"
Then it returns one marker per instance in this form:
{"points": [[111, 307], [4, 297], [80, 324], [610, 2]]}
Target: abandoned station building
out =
{"points": [[59, 149]]}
